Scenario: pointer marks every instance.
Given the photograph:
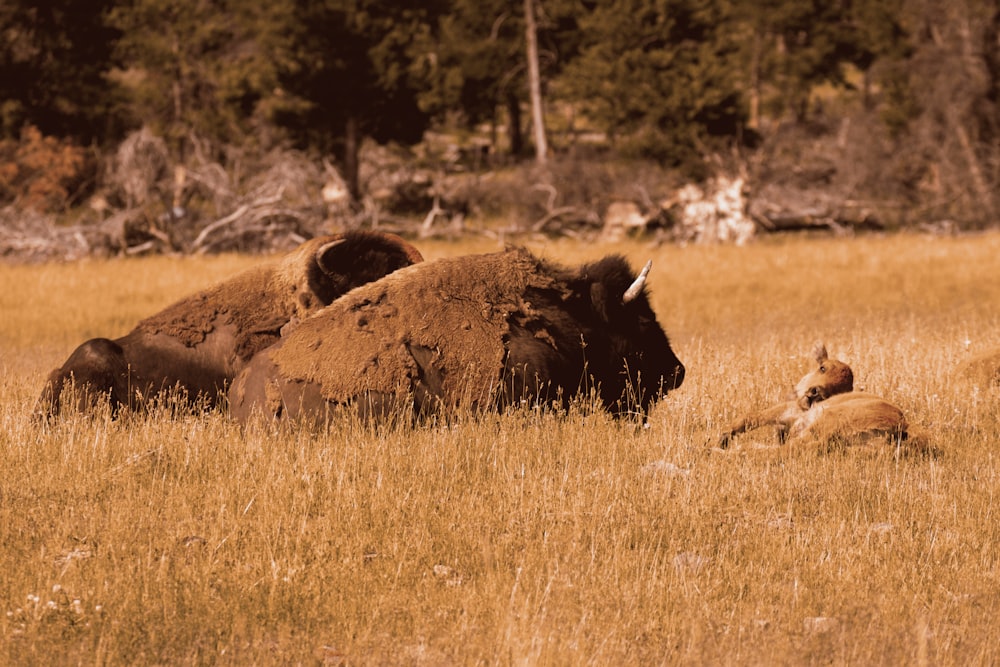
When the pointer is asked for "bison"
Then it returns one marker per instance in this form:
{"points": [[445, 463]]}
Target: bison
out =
{"points": [[480, 331], [825, 410], [198, 344]]}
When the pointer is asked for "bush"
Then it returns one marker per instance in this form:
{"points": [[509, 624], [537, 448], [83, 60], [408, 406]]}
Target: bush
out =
{"points": [[528, 193], [43, 173]]}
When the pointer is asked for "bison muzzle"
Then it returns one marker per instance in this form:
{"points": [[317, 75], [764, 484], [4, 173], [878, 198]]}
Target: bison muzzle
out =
{"points": [[479, 332], [198, 344]]}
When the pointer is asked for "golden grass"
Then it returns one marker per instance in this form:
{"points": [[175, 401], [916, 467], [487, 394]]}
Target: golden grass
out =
{"points": [[527, 538]]}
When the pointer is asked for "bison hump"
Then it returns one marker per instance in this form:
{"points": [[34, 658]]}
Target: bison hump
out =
{"points": [[251, 302]]}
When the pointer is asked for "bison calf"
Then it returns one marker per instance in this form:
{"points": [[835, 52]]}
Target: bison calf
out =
{"points": [[825, 410], [478, 331], [198, 344]]}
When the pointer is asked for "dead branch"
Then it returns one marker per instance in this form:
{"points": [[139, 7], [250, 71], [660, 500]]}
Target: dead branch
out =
{"points": [[553, 215], [257, 205], [436, 210], [199, 241]]}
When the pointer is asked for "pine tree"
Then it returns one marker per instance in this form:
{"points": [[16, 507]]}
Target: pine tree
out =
{"points": [[791, 46], [353, 69], [53, 61], [479, 66], [196, 69], [658, 76]]}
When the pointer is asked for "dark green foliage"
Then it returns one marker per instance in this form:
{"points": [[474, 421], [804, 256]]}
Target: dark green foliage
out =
{"points": [[480, 64], [479, 59], [677, 81], [54, 58], [660, 76], [201, 71], [353, 69]]}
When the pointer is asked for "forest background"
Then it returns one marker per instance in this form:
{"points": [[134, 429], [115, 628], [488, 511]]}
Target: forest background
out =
{"points": [[170, 126]]}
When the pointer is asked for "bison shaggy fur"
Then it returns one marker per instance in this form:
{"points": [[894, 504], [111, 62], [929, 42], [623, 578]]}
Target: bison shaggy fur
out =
{"points": [[198, 344], [479, 332]]}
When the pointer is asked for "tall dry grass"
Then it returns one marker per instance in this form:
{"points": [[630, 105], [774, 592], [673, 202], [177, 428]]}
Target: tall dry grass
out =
{"points": [[526, 538]]}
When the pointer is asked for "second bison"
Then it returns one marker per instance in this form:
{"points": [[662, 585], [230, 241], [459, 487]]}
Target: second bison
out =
{"points": [[481, 331], [198, 344]]}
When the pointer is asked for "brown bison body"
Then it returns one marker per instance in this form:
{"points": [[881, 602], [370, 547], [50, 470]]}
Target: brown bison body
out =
{"points": [[198, 344], [825, 410], [479, 332]]}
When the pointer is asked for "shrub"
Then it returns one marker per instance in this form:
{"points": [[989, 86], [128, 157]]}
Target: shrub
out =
{"points": [[44, 173]]}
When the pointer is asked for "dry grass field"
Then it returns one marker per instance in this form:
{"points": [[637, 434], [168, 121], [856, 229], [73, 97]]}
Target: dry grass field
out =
{"points": [[529, 538]]}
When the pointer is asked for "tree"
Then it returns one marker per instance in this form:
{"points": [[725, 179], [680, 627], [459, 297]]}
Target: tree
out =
{"points": [[352, 69], [953, 110], [535, 82], [197, 68], [53, 62], [659, 76], [476, 67], [792, 46], [481, 65]]}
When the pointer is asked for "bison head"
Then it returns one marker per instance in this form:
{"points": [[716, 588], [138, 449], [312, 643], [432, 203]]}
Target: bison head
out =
{"points": [[603, 324], [641, 363], [324, 268], [831, 377]]}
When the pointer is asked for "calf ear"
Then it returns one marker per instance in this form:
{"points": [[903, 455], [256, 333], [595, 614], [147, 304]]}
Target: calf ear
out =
{"points": [[819, 352]]}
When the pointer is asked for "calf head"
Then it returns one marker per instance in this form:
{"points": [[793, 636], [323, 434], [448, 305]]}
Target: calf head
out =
{"points": [[831, 377]]}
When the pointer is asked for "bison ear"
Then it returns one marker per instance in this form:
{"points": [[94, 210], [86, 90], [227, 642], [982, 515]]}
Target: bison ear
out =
{"points": [[819, 352], [599, 300]]}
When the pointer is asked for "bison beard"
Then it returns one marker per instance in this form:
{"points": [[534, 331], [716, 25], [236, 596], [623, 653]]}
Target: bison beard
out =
{"points": [[198, 344], [478, 332]]}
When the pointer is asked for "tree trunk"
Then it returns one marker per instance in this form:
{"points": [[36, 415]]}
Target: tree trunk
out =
{"points": [[535, 83], [352, 145], [514, 124], [755, 54]]}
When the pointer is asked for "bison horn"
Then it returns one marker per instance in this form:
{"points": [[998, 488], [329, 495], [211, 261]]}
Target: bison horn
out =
{"points": [[323, 249], [636, 287]]}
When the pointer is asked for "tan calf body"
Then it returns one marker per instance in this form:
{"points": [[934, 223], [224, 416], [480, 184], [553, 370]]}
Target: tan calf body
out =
{"points": [[825, 411]]}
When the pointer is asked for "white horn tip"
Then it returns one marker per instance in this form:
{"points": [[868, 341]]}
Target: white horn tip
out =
{"points": [[636, 287]]}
